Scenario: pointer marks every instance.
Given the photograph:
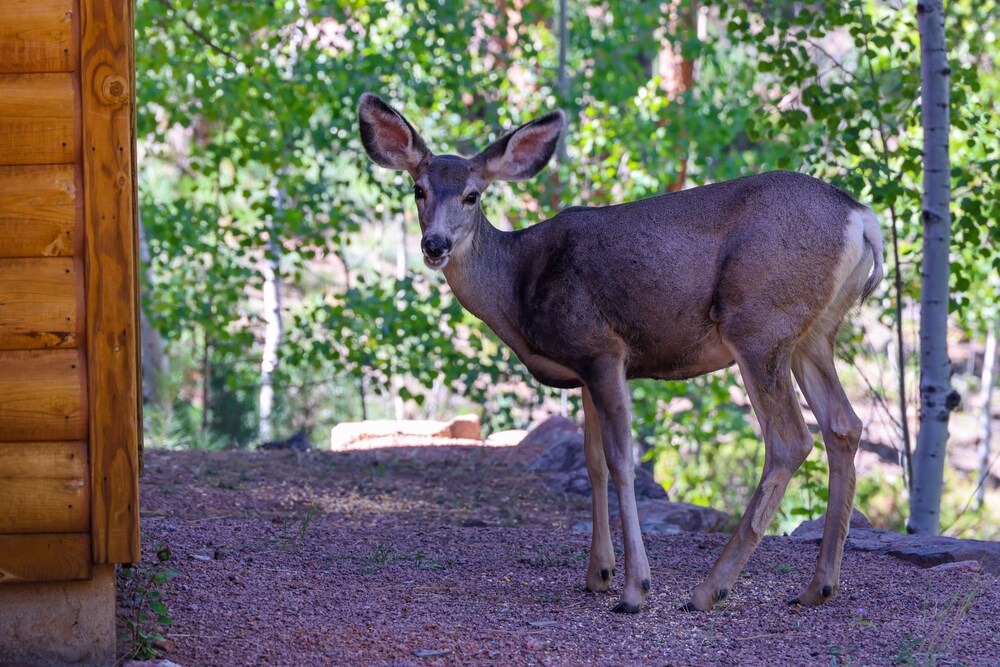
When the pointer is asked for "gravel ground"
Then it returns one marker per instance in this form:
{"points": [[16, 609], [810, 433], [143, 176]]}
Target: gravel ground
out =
{"points": [[443, 554]]}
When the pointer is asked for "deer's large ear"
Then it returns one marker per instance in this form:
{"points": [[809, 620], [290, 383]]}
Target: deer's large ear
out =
{"points": [[524, 152], [389, 139]]}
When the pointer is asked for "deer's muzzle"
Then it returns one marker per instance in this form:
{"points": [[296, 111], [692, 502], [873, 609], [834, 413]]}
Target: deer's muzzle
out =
{"points": [[436, 249]]}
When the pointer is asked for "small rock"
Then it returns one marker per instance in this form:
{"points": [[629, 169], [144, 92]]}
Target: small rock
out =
{"points": [[219, 554], [347, 434], [465, 426], [542, 624], [165, 645], [200, 557], [534, 643], [923, 550], [961, 566], [660, 515], [813, 529], [298, 442], [510, 438], [560, 443], [660, 528], [431, 652]]}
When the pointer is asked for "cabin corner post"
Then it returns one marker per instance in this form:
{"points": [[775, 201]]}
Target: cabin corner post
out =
{"points": [[107, 100]]}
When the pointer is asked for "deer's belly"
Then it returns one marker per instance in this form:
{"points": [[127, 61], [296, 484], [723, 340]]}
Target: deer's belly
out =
{"points": [[680, 365], [551, 373]]}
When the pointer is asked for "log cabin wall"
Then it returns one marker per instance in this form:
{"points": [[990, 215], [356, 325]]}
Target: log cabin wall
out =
{"points": [[69, 373]]}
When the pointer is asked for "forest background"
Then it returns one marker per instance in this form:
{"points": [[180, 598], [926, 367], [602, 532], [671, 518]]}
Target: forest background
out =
{"points": [[283, 288]]}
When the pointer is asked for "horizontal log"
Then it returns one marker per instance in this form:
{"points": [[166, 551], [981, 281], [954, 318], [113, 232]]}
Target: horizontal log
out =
{"points": [[38, 303], [38, 211], [42, 396], [47, 557], [36, 119], [37, 36], [44, 487]]}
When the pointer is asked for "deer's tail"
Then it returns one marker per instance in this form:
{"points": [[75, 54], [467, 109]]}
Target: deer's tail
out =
{"points": [[873, 237]]}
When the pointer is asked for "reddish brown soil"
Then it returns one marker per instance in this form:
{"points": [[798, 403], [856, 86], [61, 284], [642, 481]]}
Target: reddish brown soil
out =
{"points": [[372, 557]]}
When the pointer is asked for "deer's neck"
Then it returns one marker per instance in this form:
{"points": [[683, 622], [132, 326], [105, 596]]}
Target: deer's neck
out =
{"points": [[482, 277]]}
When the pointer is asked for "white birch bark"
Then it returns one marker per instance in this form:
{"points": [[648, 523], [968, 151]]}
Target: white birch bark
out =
{"points": [[986, 417], [273, 325], [155, 364], [937, 398]]}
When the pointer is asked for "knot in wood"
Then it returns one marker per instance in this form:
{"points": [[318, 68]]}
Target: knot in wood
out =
{"points": [[114, 89], [953, 400]]}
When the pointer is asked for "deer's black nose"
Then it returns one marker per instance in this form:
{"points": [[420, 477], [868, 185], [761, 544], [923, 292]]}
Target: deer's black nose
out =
{"points": [[435, 246]]}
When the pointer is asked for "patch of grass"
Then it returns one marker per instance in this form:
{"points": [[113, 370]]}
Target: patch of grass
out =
{"points": [[538, 556], [141, 586], [909, 649], [784, 568], [294, 527], [424, 562], [928, 650], [543, 597], [381, 556]]}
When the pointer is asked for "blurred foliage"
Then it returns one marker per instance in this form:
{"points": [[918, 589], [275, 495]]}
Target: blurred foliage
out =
{"points": [[240, 101]]}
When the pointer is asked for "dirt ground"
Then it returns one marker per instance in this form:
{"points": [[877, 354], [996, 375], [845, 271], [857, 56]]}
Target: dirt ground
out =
{"points": [[443, 555]]}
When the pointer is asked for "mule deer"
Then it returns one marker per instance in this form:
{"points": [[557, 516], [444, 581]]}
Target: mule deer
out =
{"points": [[759, 271]]}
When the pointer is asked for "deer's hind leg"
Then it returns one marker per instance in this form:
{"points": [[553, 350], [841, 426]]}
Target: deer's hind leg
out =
{"points": [[602, 553], [816, 374], [767, 376]]}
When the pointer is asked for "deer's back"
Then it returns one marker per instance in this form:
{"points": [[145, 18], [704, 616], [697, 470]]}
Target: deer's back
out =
{"points": [[660, 272]]}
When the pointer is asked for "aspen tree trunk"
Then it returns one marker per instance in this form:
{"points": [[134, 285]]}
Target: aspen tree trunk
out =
{"points": [[986, 418], [398, 405], [677, 72], [273, 331], [273, 326], [937, 399], [155, 364]]}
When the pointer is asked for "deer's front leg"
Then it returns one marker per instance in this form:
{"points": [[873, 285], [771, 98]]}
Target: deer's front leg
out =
{"points": [[609, 392], [602, 553]]}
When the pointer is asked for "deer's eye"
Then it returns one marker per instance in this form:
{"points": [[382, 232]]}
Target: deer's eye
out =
{"points": [[472, 198], [418, 192]]}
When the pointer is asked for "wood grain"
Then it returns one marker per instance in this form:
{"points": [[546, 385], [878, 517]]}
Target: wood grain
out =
{"points": [[42, 396], [37, 211], [44, 487], [108, 107], [37, 36], [46, 557], [38, 307], [36, 119]]}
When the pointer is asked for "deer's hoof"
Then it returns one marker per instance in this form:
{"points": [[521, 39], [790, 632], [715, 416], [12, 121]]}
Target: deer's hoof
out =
{"points": [[626, 608], [599, 582], [815, 595], [703, 601]]}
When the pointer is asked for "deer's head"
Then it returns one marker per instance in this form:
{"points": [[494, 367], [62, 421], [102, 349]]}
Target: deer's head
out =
{"points": [[447, 188]]}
